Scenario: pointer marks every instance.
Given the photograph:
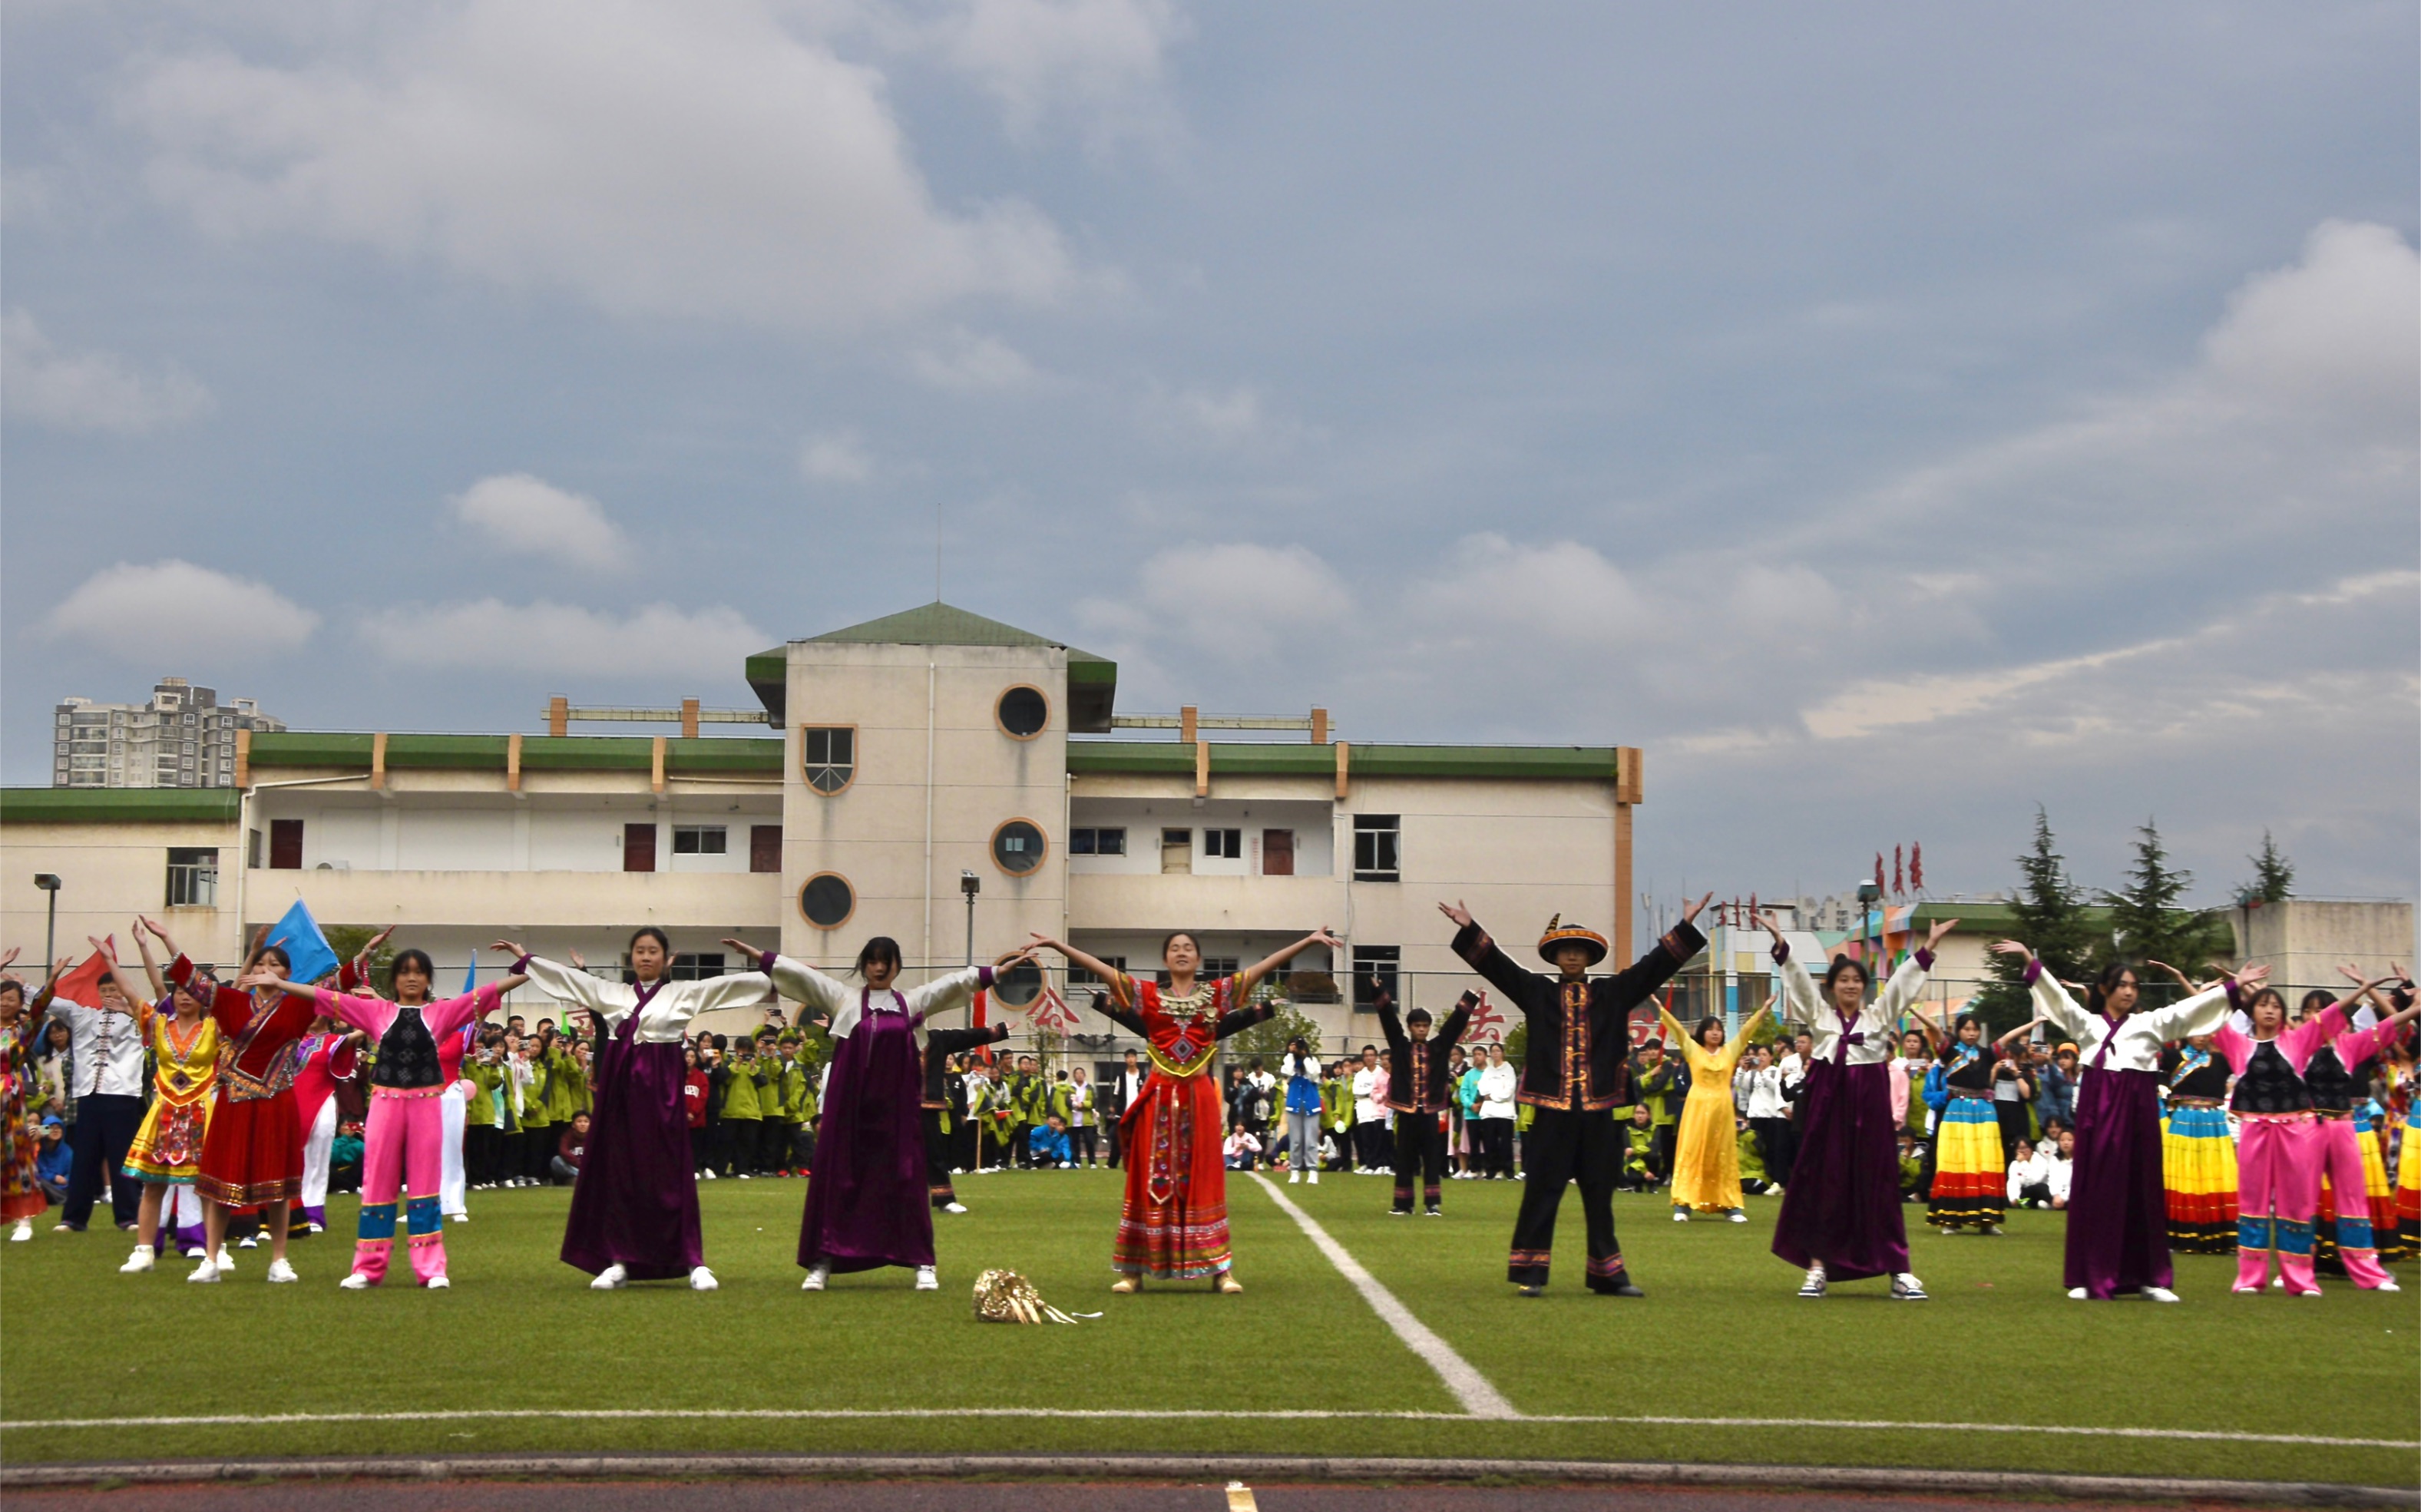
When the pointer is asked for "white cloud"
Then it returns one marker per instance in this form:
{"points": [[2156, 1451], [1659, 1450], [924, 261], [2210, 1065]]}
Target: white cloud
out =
{"points": [[175, 609], [700, 160], [530, 515], [657, 641], [1236, 600], [89, 391], [1491, 588], [1099, 59], [969, 363], [836, 457]]}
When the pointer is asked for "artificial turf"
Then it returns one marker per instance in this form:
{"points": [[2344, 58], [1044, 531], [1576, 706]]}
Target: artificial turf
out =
{"points": [[1720, 1335]]}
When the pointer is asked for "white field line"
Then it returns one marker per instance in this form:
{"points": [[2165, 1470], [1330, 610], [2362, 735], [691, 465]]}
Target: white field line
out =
{"points": [[1470, 1388], [1157, 1414]]}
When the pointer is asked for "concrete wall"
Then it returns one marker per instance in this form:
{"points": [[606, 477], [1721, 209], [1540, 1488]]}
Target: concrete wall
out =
{"points": [[110, 873], [2302, 941]]}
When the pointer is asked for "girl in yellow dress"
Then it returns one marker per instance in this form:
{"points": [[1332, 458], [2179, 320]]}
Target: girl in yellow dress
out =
{"points": [[1706, 1156], [168, 1148]]}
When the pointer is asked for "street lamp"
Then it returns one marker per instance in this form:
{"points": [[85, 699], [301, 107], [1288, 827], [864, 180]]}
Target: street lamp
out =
{"points": [[1869, 895], [49, 882], [969, 884]]}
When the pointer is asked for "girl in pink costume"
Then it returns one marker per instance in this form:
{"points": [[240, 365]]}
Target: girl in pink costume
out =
{"points": [[2277, 1138], [2336, 1094], [405, 1146]]}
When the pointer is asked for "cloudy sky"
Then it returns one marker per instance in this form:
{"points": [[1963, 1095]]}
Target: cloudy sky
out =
{"points": [[1891, 419]]}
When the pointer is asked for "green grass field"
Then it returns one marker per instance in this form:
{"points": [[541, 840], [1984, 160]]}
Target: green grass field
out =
{"points": [[1720, 1335]]}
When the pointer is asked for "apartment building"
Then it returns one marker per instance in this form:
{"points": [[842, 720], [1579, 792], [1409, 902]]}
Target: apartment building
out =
{"points": [[182, 738]]}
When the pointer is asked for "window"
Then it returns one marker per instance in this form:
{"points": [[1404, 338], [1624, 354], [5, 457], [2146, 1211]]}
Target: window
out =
{"points": [[1017, 848], [1212, 969], [828, 756], [1081, 976], [1175, 852], [193, 878], [252, 849], [1023, 712], [1097, 842], [286, 845], [826, 901], [1379, 962], [1375, 837], [765, 847], [698, 839], [639, 846], [1228, 843], [697, 967]]}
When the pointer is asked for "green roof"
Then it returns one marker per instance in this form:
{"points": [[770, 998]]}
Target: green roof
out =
{"points": [[1092, 680], [1240, 759], [540, 753], [118, 805]]}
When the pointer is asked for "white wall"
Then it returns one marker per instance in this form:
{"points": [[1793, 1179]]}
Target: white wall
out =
{"points": [[1143, 818]]}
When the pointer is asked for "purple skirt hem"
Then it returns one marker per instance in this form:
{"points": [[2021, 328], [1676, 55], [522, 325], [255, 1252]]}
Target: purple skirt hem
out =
{"points": [[1841, 1205]]}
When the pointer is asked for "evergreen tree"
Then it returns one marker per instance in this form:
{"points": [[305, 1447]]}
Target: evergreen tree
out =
{"points": [[2049, 910], [2148, 924], [2273, 875]]}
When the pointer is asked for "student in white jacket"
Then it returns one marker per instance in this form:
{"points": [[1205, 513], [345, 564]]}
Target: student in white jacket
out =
{"points": [[1498, 1084]]}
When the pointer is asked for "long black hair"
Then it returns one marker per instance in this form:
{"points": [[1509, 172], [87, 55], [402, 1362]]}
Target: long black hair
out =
{"points": [[881, 948], [664, 941], [412, 958], [1843, 963], [1709, 1021], [2107, 983]]}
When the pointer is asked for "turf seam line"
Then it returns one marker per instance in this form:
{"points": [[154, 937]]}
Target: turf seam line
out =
{"points": [[1185, 1414], [1471, 1389], [1185, 1468]]}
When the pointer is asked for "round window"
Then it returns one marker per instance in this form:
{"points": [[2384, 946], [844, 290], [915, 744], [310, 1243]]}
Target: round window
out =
{"points": [[826, 900], [1017, 848], [1024, 711], [1019, 986]]}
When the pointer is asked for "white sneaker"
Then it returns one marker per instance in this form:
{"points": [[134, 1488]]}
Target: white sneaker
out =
{"points": [[2159, 1294], [926, 1280], [2076, 1294], [226, 1261], [702, 1279], [138, 1262], [204, 1273], [1314, 1178], [1949, 1230], [1814, 1285], [1737, 1216], [1907, 1289], [314, 1228], [250, 1242], [24, 1231], [710, 1176], [438, 1283], [1294, 1177], [1991, 1228], [954, 1206], [815, 1279], [355, 1281], [609, 1278], [2387, 1284], [279, 1271], [193, 1253], [461, 1218], [1681, 1215]]}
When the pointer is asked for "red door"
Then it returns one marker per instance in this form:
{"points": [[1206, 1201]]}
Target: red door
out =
{"points": [[286, 845], [1277, 852], [765, 847], [640, 847]]}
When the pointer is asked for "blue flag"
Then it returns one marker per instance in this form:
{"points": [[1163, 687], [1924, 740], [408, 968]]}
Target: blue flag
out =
{"points": [[470, 977], [307, 951]]}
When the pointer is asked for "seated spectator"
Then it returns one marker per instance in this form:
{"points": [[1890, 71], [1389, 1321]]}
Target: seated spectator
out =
{"points": [[2059, 1166], [1048, 1146], [1241, 1148], [570, 1146], [345, 1158], [2029, 1181], [1913, 1184], [53, 1159], [1638, 1172]]}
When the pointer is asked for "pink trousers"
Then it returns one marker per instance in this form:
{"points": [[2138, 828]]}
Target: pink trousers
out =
{"points": [[2278, 1189], [2340, 1158], [403, 1152]]}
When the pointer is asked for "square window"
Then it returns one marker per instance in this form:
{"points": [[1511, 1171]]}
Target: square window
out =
{"points": [[1375, 838], [1080, 976], [1227, 844], [828, 757], [1374, 968], [698, 839]]}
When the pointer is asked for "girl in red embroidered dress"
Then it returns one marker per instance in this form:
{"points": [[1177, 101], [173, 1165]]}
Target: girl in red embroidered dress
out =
{"points": [[1174, 1224]]}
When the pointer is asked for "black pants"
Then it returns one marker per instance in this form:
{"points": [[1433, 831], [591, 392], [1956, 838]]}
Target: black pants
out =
{"points": [[1772, 1147], [1563, 1146], [1110, 1137], [1083, 1145], [938, 1143], [2014, 1127], [1371, 1145], [1661, 1141], [104, 1127], [1494, 1137], [1420, 1145], [479, 1142]]}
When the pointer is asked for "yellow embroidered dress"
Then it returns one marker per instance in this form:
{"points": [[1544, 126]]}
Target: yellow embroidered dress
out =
{"points": [[1706, 1154], [168, 1147]]}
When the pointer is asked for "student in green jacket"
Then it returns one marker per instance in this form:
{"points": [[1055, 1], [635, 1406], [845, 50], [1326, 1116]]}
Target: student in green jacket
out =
{"points": [[743, 1113], [772, 1129], [482, 1131], [1337, 1114], [538, 1123], [795, 1097]]}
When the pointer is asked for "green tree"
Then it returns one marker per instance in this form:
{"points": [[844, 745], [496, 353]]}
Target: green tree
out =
{"points": [[1268, 1038], [347, 941], [2273, 875], [2049, 910], [2147, 922]]}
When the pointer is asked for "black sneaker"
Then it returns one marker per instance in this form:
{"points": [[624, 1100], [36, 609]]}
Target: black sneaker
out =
{"points": [[1529, 1291], [1621, 1286]]}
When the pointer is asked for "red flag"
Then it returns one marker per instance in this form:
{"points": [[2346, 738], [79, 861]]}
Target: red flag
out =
{"points": [[1895, 872], [1878, 871], [976, 1013], [1916, 865], [1752, 911], [82, 983]]}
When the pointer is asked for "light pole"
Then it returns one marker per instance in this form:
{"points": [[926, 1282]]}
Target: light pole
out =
{"points": [[1870, 895], [49, 882], [969, 884]]}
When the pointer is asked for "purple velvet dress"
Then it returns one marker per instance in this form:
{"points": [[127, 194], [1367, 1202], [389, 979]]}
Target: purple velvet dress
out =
{"points": [[2117, 1209], [635, 1204], [867, 1204]]}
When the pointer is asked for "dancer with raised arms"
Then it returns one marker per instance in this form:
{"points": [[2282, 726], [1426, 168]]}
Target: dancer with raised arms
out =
{"points": [[166, 1154], [1174, 1223], [868, 1201], [1841, 1215], [1574, 1075], [2117, 1209], [634, 1206], [2339, 1080], [1706, 1156]]}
